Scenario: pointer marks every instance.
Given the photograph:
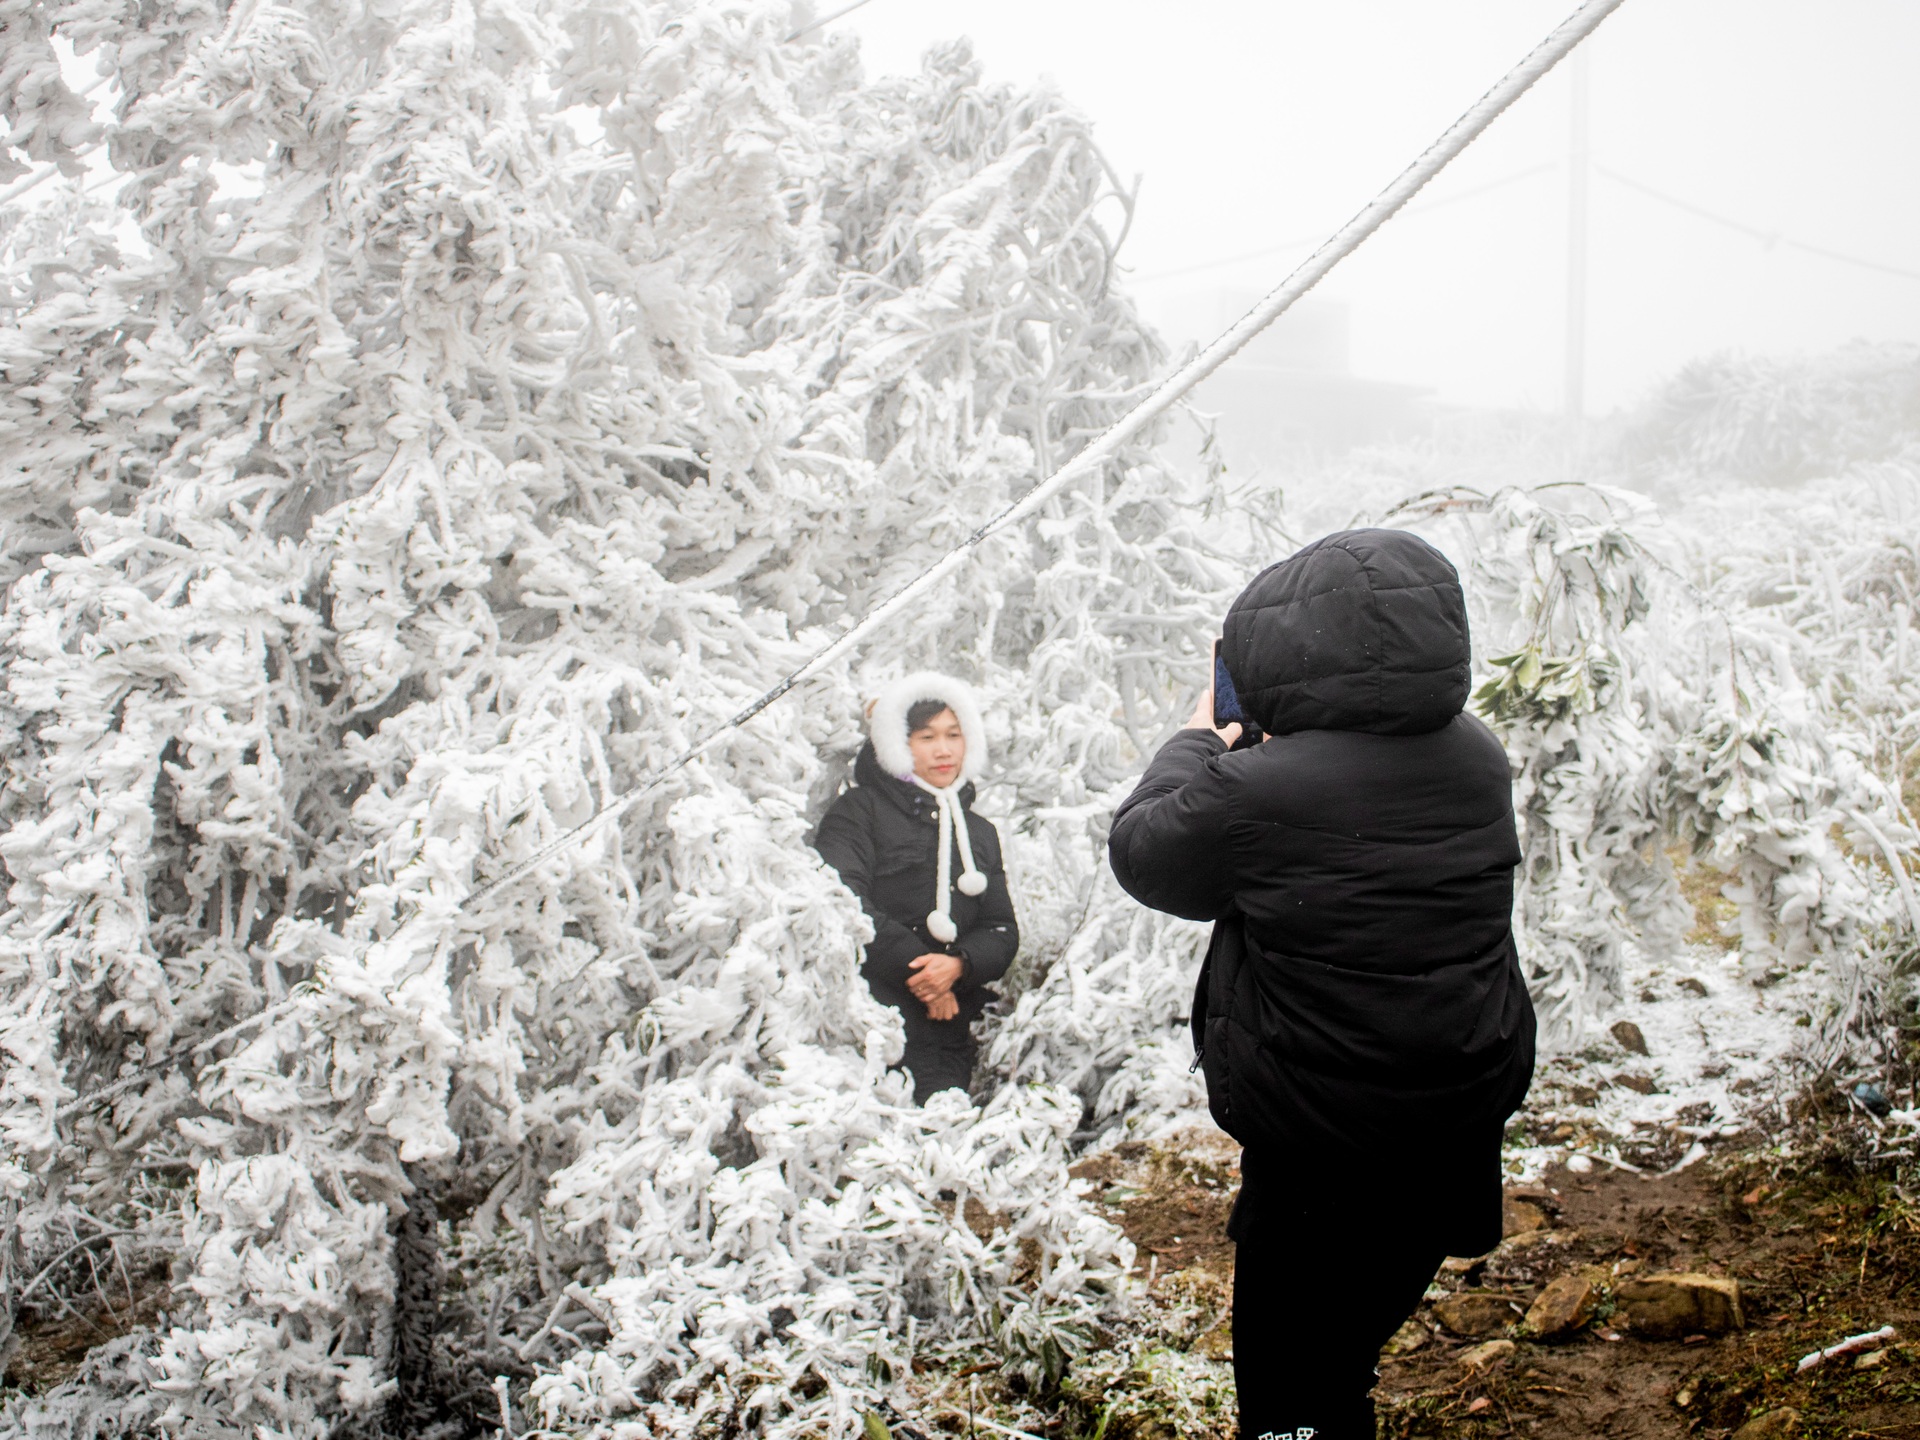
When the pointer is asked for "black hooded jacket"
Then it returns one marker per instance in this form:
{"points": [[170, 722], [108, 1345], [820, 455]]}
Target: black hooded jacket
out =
{"points": [[1361, 1002], [882, 838]]}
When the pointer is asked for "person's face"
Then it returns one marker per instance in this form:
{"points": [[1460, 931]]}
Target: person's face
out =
{"points": [[938, 748]]}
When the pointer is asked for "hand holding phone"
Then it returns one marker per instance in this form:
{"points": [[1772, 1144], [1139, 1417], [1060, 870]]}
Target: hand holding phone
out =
{"points": [[1226, 704], [1206, 708]]}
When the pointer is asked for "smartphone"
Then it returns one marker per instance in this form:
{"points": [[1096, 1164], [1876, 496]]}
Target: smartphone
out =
{"points": [[1226, 704]]}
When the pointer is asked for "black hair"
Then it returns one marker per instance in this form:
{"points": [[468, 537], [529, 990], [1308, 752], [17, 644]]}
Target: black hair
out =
{"points": [[922, 713]]}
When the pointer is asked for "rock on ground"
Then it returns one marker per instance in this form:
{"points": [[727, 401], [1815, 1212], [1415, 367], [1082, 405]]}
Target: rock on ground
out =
{"points": [[1476, 1312], [1562, 1308], [1673, 1306], [1629, 1036], [1488, 1355], [1774, 1425]]}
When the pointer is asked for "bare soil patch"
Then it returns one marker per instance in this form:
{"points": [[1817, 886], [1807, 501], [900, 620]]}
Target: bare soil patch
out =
{"points": [[51, 1340], [1172, 1198], [1818, 1258], [1819, 1255]]}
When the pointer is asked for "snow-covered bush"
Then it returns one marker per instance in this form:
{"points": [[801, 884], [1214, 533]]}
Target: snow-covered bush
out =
{"points": [[468, 405], [1775, 420], [1794, 770], [1713, 683]]}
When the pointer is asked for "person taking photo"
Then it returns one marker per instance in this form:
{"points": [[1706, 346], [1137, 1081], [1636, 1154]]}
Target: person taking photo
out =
{"points": [[1361, 1017]]}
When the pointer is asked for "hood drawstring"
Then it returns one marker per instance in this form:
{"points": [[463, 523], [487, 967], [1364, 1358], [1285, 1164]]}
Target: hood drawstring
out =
{"points": [[951, 821]]}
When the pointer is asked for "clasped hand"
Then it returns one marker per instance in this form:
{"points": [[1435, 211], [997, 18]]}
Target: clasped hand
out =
{"points": [[932, 984]]}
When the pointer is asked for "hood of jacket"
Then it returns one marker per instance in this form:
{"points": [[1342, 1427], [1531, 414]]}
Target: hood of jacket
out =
{"points": [[887, 721], [1362, 630], [869, 774]]}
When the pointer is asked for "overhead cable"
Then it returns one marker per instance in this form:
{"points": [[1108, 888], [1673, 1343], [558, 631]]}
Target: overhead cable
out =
{"points": [[1348, 238], [1768, 237], [1281, 247]]}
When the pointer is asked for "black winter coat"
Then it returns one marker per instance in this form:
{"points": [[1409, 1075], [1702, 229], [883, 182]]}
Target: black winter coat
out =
{"points": [[881, 836], [1361, 1005]]}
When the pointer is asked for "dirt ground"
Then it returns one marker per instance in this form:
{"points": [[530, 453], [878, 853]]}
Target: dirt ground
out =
{"points": [[1819, 1255], [1820, 1252], [1817, 1260]]}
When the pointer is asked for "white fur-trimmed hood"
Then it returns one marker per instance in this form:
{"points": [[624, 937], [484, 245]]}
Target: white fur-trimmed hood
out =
{"points": [[887, 721]]}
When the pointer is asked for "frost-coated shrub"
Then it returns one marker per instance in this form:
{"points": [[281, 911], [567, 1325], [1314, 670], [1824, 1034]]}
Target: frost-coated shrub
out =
{"points": [[1778, 420], [465, 407], [1734, 682]]}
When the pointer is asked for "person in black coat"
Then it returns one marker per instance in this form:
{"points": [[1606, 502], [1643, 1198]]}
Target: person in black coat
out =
{"points": [[927, 870], [1361, 1017]]}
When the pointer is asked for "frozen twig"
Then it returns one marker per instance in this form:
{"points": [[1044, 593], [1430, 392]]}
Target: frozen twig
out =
{"points": [[553, 1318], [987, 1424], [1847, 1346], [54, 1263], [506, 1409]]}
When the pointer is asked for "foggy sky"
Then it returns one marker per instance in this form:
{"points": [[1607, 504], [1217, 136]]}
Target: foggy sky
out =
{"points": [[1261, 121]]}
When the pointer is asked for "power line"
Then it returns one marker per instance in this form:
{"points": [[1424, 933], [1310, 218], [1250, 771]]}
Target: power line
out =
{"points": [[1766, 237], [1285, 245], [1344, 241]]}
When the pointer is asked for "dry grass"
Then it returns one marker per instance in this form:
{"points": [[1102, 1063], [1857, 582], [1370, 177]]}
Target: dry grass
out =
{"points": [[1714, 915]]}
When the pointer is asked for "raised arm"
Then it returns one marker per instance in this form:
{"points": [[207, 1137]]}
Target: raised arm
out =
{"points": [[1169, 847]]}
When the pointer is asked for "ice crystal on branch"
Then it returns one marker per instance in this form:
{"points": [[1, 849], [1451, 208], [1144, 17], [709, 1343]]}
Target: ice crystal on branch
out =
{"points": [[1645, 709], [560, 377]]}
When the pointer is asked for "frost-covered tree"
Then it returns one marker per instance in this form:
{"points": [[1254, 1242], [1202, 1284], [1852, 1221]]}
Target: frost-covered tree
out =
{"points": [[464, 406], [1651, 693], [1776, 420]]}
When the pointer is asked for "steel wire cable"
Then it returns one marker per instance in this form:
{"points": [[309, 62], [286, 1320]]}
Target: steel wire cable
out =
{"points": [[1426, 207]]}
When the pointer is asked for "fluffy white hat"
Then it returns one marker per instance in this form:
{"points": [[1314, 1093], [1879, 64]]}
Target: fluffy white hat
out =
{"points": [[887, 721]]}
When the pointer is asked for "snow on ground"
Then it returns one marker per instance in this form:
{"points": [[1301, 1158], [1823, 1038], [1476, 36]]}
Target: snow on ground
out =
{"points": [[1723, 1052], [1720, 1049]]}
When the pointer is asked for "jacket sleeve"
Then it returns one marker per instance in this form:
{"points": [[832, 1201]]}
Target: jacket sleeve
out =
{"points": [[845, 841], [989, 945], [1169, 846]]}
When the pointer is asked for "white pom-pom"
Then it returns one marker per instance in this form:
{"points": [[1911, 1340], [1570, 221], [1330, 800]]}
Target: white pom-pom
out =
{"points": [[942, 928], [972, 883]]}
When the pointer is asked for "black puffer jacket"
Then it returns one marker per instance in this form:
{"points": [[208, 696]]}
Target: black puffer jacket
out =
{"points": [[1361, 1002], [882, 838]]}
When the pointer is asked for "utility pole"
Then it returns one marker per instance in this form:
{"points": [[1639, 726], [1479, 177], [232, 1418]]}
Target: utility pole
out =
{"points": [[1574, 392]]}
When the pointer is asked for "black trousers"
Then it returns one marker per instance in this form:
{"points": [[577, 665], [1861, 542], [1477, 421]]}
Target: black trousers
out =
{"points": [[939, 1052], [1322, 1277]]}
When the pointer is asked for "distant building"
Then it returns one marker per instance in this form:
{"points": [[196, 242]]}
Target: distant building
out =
{"points": [[1293, 386]]}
